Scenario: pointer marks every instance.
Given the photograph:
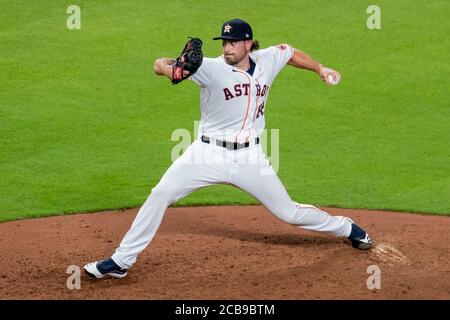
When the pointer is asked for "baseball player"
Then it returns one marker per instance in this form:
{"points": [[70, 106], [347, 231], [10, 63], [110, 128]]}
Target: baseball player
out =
{"points": [[234, 88]]}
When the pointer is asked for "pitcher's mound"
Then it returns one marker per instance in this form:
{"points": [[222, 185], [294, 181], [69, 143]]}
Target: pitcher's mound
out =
{"points": [[232, 252]]}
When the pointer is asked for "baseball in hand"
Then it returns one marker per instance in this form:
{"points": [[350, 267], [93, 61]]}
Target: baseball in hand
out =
{"points": [[331, 80]]}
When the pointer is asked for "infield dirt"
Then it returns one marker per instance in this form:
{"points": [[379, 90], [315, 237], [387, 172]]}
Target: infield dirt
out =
{"points": [[229, 252]]}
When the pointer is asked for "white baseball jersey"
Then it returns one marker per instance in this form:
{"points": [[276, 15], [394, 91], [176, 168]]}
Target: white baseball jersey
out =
{"points": [[232, 102], [232, 108]]}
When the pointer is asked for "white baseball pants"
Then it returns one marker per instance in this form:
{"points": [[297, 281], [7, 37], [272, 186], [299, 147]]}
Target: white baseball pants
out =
{"points": [[205, 164]]}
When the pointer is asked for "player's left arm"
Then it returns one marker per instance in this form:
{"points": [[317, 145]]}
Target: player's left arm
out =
{"points": [[164, 67], [303, 61]]}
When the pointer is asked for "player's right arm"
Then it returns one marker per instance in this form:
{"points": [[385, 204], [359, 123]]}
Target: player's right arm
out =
{"points": [[285, 54], [164, 67], [303, 61]]}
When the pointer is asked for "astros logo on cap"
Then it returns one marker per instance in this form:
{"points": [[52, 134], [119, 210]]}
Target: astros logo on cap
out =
{"points": [[227, 28]]}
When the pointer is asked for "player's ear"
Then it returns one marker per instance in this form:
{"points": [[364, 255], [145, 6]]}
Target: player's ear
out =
{"points": [[248, 44]]}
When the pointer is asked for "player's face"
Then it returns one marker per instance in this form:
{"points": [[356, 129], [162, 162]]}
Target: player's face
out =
{"points": [[235, 51]]}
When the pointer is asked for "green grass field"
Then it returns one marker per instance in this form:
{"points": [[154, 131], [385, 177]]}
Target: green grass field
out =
{"points": [[85, 125]]}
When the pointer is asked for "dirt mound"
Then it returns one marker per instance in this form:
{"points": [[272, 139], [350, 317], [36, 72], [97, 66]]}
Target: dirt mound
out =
{"points": [[239, 252]]}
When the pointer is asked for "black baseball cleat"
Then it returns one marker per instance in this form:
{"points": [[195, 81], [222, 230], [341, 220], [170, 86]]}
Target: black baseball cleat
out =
{"points": [[360, 239], [108, 267]]}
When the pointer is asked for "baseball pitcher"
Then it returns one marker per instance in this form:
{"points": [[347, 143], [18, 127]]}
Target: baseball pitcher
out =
{"points": [[234, 89]]}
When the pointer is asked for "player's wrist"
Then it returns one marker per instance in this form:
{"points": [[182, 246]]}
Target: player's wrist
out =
{"points": [[168, 70], [319, 69]]}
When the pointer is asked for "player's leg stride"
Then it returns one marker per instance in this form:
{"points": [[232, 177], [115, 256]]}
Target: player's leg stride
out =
{"points": [[233, 100]]}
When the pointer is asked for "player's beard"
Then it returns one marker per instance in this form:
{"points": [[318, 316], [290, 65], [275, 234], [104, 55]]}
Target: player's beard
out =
{"points": [[233, 60]]}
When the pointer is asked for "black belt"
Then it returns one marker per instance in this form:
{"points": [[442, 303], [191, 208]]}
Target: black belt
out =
{"points": [[230, 145]]}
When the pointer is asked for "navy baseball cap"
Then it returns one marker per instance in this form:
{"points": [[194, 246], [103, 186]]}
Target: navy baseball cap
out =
{"points": [[236, 29]]}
